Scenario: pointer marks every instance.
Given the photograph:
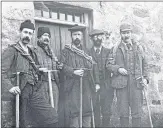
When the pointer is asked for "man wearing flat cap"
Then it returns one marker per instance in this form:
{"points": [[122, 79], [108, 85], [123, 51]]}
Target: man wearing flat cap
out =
{"points": [[47, 61], [129, 68], [77, 63], [21, 57], [104, 95]]}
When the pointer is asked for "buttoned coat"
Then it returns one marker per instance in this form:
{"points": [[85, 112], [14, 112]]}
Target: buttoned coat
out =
{"points": [[118, 59]]}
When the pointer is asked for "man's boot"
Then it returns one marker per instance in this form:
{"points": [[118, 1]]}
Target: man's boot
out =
{"points": [[106, 121], [124, 122], [136, 122]]}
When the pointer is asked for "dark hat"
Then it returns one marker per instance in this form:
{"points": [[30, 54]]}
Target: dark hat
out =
{"points": [[42, 30], [96, 32], [125, 27], [77, 28], [27, 24]]}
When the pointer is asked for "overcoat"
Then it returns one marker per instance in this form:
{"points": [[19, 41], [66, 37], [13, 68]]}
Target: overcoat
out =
{"points": [[118, 59], [73, 61]]}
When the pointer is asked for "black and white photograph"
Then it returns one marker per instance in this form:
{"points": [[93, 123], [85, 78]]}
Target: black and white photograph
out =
{"points": [[81, 64]]}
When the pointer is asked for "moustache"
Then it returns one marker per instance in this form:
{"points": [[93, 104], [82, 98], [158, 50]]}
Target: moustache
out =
{"points": [[27, 39], [46, 40]]}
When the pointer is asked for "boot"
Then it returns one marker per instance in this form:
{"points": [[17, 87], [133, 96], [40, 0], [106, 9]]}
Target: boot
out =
{"points": [[124, 121], [106, 121], [136, 122]]}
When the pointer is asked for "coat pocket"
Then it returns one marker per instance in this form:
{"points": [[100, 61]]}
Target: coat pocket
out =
{"points": [[119, 81]]}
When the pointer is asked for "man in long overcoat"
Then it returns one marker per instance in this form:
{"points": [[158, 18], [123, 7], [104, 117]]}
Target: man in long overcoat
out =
{"points": [[104, 97], [129, 68], [21, 57], [47, 61], [76, 64]]}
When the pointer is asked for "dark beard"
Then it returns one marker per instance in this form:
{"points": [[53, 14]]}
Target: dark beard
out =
{"points": [[97, 43], [76, 42]]}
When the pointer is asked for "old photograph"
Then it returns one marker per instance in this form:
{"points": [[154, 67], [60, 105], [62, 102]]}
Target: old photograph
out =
{"points": [[81, 64]]}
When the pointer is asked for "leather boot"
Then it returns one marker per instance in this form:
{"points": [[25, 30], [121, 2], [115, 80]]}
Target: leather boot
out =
{"points": [[136, 122], [106, 121], [124, 121]]}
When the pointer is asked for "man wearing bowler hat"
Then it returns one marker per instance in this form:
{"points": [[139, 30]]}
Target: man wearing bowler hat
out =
{"points": [[77, 63], [126, 64], [104, 95]]}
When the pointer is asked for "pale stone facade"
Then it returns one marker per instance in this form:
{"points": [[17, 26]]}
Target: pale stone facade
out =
{"points": [[147, 17]]}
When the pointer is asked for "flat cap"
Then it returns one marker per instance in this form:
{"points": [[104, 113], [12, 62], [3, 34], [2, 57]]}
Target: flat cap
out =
{"points": [[96, 32], [76, 28], [125, 27]]}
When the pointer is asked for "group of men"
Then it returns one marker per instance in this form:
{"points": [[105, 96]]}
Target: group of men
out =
{"points": [[102, 71]]}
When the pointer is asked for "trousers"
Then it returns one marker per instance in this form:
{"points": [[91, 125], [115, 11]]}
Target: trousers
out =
{"points": [[40, 111], [74, 122], [129, 97], [102, 106]]}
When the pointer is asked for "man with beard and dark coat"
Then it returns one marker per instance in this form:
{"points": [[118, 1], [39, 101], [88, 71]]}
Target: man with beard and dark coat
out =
{"points": [[76, 64], [104, 97], [126, 63], [21, 57], [47, 61]]}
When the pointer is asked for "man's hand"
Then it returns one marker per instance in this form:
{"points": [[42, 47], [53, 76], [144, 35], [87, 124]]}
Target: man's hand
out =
{"points": [[97, 87], [122, 71], [79, 72], [15, 90], [59, 65], [144, 82], [43, 69]]}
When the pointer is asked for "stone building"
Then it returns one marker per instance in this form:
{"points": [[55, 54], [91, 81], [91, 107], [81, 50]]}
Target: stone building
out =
{"points": [[59, 16]]}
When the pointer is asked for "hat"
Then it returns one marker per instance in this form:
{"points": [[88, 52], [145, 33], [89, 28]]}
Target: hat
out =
{"points": [[76, 28], [96, 32], [27, 24], [125, 27], [42, 30]]}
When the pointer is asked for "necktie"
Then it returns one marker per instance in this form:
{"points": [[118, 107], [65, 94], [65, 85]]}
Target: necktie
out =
{"points": [[128, 46], [97, 51]]}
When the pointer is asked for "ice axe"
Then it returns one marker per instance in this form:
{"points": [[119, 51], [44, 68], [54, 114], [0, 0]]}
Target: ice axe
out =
{"points": [[81, 100], [50, 84], [17, 101], [144, 90]]}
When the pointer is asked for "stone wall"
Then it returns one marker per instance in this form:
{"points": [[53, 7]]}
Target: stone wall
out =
{"points": [[147, 18], [13, 13]]}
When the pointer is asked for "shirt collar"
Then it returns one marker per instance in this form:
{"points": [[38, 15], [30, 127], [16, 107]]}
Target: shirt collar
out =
{"points": [[95, 48]]}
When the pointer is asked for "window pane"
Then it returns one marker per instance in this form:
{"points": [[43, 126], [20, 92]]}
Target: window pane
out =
{"points": [[77, 19], [69, 18], [62, 16], [46, 14], [54, 15], [38, 13]]}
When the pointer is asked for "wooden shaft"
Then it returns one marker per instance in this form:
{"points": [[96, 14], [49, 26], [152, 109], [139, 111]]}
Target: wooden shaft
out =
{"points": [[93, 117], [17, 101], [81, 99], [50, 89], [149, 112], [145, 94]]}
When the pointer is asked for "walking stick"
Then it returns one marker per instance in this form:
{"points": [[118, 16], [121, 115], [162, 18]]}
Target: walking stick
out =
{"points": [[145, 93], [81, 98], [17, 101], [93, 117]]}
